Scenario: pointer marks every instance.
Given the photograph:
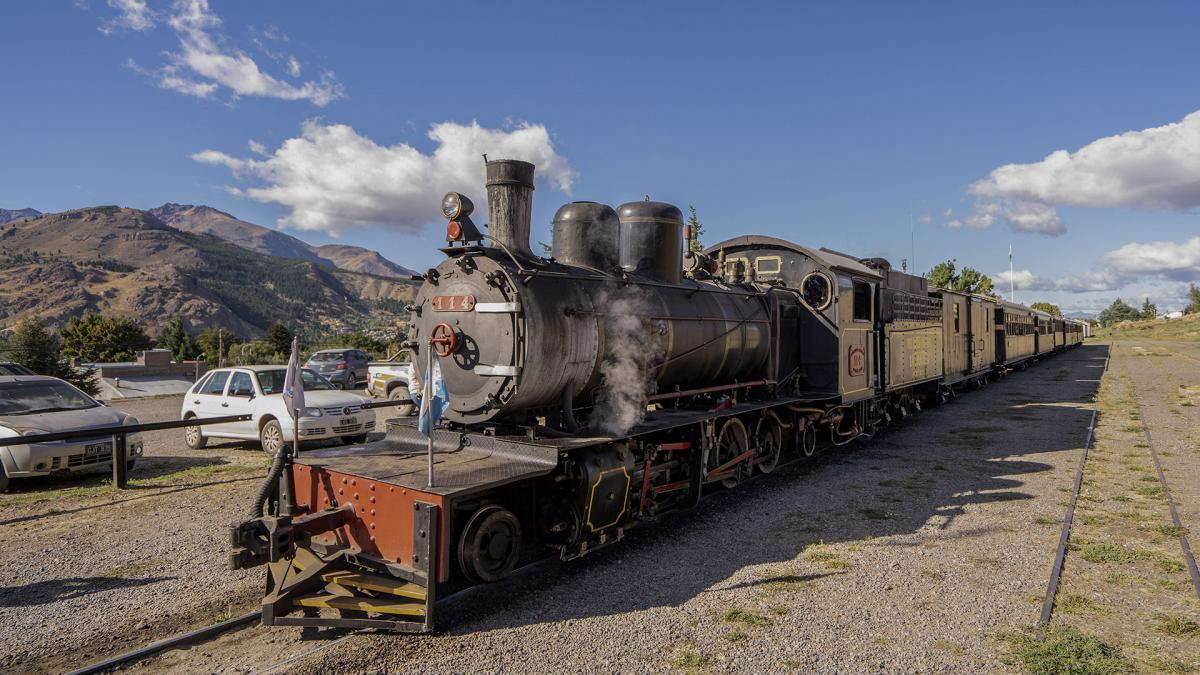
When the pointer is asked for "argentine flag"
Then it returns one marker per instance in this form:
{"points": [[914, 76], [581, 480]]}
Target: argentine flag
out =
{"points": [[433, 406]]}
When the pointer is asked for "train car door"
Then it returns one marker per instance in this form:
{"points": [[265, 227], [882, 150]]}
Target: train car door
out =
{"points": [[1001, 334], [1037, 334], [956, 328], [983, 337], [856, 313]]}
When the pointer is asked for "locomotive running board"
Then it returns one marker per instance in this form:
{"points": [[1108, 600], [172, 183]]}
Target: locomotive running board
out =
{"points": [[312, 583]]}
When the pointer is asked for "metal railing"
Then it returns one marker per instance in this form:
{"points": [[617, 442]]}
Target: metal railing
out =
{"points": [[119, 434]]}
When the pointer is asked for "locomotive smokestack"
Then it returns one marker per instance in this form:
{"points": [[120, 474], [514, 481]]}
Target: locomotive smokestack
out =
{"points": [[510, 201]]}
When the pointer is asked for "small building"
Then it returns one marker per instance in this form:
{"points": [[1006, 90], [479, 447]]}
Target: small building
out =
{"points": [[152, 374]]}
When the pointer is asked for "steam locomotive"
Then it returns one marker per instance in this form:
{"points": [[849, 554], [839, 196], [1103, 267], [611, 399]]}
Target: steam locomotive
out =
{"points": [[624, 376]]}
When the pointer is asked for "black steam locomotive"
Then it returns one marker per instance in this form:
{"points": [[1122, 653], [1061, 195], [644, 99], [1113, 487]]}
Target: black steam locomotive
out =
{"points": [[624, 376]]}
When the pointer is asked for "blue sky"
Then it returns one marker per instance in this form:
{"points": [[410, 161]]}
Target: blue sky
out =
{"points": [[825, 124]]}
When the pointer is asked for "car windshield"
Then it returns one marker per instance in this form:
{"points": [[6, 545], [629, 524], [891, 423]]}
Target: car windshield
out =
{"points": [[327, 356], [271, 381], [14, 369], [29, 398]]}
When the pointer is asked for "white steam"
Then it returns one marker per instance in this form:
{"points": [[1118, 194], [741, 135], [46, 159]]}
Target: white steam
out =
{"points": [[629, 348]]}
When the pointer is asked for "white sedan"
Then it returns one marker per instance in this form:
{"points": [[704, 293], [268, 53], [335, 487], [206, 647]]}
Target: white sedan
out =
{"points": [[35, 404], [257, 391]]}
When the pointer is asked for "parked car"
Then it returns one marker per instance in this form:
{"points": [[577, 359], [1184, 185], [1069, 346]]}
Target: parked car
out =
{"points": [[390, 380], [36, 404], [343, 367], [10, 368], [256, 391]]}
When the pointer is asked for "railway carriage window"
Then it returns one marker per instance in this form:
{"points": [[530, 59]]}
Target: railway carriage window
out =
{"points": [[956, 318], [816, 290], [862, 301], [767, 264]]}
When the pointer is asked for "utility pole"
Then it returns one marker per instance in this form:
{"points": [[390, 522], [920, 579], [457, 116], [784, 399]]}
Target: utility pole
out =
{"points": [[1012, 296]]}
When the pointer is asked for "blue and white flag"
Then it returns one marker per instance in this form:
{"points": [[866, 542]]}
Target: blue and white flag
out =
{"points": [[293, 381], [434, 405]]}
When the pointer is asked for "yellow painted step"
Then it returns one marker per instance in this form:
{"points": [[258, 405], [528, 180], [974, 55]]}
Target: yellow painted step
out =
{"points": [[361, 604], [375, 582]]}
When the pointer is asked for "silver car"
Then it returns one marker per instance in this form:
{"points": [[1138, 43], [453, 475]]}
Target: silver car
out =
{"points": [[343, 367], [35, 404]]}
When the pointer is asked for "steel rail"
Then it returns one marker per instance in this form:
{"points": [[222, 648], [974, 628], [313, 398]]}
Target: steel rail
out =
{"points": [[1068, 520], [170, 643]]}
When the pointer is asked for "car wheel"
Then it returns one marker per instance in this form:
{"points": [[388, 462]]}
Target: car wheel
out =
{"points": [[351, 380], [271, 437], [400, 393], [194, 439], [354, 440]]}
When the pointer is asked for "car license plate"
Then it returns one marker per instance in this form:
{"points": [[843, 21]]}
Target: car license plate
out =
{"points": [[94, 449], [346, 421]]}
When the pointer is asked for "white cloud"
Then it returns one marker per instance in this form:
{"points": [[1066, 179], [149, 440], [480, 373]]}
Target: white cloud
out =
{"points": [[925, 218], [1165, 259], [1159, 261], [132, 15], [332, 178], [205, 63], [948, 212], [1155, 168]]}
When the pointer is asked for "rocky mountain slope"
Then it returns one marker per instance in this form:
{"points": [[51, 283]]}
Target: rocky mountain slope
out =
{"points": [[9, 215], [207, 220], [130, 263]]}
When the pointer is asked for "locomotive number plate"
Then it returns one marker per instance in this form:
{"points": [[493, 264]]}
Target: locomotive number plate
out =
{"points": [[857, 361], [453, 303]]}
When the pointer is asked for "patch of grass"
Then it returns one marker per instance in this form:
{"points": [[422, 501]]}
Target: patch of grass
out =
{"points": [[1064, 650], [1172, 530], [1123, 579], [1132, 429], [1173, 585], [1148, 479], [1122, 498], [877, 514], [736, 636], [734, 615], [1151, 491], [1043, 520], [1110, 553], [881, 640], [1167, 564], [1177, 626], [688, 658], [778, 610], [820, 554], [950, 647], [1074, 603]]}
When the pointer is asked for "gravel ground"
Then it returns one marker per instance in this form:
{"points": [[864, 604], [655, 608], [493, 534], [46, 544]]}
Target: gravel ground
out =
{"points": [[901, 554], [87, 571]]}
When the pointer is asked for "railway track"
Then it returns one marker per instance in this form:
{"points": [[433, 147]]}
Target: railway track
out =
{"points": [[181, 640]]}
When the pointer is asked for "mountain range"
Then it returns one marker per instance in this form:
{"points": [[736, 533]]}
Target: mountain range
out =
{"points": [[207, 220], [8, 215], [131, 263]]}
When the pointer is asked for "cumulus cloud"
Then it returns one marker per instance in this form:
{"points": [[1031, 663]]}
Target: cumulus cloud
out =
{"points": [[132, 15], [1155, 168], [206, 63], [925, 218], [332, 178]]}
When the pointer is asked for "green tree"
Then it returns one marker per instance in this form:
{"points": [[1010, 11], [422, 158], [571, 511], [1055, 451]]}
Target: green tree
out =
{"points": [[360, 340], [1046, 307], [182, 345], [1149, 310], [32, 345], [970, 280], [280, 337], [1194, 306], [98, 338], [1117, 312], [215, 343], [697, 228]]}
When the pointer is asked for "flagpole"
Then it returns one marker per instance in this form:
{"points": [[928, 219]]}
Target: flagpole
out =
{"points": [[428, 393], [1012, 294]]}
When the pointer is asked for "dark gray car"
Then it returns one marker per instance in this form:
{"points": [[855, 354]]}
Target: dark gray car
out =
{"points": [[343, 367]]}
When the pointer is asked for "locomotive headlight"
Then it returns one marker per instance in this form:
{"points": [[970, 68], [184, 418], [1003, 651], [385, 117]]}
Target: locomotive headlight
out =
{"points": [[455, 206]]}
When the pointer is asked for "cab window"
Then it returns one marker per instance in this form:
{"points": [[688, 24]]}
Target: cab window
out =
{"points": [[767, 264], [216, 384], [862, 301]]}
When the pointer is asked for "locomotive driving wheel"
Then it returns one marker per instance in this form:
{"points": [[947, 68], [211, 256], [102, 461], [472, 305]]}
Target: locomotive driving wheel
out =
{"points": [[732, 442], [490, 544], [768, 443]]}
